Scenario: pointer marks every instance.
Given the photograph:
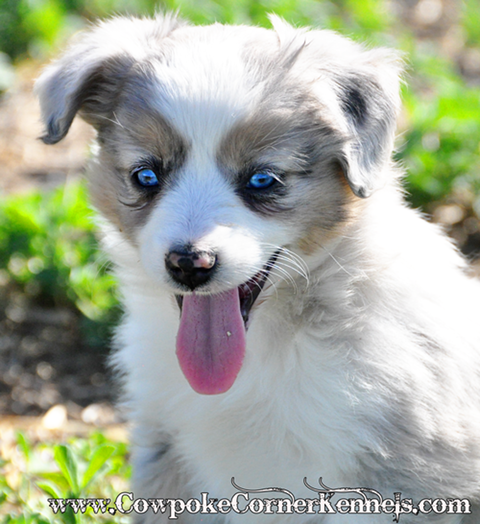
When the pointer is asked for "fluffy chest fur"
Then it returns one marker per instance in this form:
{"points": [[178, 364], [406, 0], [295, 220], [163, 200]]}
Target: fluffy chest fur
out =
{"points": [[289, 411]]}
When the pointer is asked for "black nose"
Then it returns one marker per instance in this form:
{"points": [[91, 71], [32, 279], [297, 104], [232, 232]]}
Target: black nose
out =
{"points": [[190, 267]]}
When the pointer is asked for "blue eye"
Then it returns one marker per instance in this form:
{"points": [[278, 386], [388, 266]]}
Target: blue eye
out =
{"points": [[147, 178], [261, 180]]}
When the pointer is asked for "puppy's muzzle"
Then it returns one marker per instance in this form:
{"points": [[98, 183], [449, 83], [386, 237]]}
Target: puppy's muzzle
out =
{"points": [[190, 268]]}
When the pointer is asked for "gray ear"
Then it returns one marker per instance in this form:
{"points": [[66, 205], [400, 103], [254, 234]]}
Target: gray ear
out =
{"points": [[92, 90], [369, 99], [88, 76]]}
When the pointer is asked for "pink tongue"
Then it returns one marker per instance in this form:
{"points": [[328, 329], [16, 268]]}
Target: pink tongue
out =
{"points": [[211, 341]]}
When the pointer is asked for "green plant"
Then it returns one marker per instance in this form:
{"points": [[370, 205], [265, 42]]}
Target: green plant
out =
{"points": [[32, 27], [92, 467], [441, 146], [48, 251]]}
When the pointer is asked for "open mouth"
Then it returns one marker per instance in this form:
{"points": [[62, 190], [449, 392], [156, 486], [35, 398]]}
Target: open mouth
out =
{"points": [[211, 338], [249, 291]]}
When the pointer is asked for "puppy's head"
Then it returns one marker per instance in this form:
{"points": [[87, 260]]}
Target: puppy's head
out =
{"points": [[223, 151]]}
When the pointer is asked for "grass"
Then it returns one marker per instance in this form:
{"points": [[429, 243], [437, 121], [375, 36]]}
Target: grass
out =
{"points": [[93, 467]]}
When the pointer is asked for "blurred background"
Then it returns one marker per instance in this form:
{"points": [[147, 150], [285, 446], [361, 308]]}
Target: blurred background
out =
{"points": [[57, 299]]}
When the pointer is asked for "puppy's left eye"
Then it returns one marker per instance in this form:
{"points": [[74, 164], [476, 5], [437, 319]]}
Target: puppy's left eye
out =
{"points": [[261, 180], [147, 178]]}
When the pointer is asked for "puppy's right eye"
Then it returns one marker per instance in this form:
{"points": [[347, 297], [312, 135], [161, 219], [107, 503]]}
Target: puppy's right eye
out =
{"points": [[261, 180], [146, 178]]}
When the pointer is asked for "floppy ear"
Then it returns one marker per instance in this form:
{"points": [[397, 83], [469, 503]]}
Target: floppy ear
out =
{"points": [[369, 99], [88, 77]]}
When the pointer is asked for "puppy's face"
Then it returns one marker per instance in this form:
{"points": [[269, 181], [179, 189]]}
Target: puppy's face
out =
{"points": [[225, 154]]}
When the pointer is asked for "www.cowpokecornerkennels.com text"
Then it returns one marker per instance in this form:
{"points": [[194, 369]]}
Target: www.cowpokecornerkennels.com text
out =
{"points": [[273, 501]]}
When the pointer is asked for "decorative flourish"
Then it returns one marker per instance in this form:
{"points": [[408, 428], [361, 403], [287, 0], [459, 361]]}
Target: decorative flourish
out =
{"points": [[332, 491], [264, 490]]}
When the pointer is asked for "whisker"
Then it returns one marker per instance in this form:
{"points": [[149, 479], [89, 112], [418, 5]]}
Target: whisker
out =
{"points": [[288, 259], [294, 266], [115, 121], [336, 261], [285, 275], [269, 284], [291, 254]]}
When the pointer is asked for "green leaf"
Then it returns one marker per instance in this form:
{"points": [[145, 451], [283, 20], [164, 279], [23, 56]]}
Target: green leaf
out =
{"points": [[24, 445], [65, 460], [36, 518], [100, 456], [49, 489], [57, 479]]}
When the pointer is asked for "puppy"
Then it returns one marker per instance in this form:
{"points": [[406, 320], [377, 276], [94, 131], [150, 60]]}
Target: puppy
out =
{"points": [[287, 316]]}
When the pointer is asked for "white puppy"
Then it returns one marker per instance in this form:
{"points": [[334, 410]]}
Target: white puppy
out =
{"points": [[279, 325]]}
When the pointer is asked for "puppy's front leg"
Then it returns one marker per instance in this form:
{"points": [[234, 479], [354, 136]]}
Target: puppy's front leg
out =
{"points": [[160, 478]]}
